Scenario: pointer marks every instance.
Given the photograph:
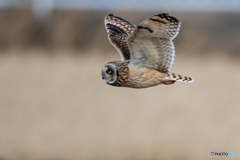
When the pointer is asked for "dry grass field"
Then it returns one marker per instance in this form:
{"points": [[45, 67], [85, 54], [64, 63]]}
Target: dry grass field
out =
{"points": [[58, 107], [54, 104]]}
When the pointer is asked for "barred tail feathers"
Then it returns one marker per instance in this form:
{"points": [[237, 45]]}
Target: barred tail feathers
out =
{"points": [[177, 77]]}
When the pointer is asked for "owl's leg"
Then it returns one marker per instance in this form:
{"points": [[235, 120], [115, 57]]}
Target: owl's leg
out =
{"points": [[165, 79], [168, 82]]}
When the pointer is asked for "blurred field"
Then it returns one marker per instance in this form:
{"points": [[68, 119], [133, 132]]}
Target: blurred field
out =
{"points": [[201, 33], [55, 105], [58, 107]]}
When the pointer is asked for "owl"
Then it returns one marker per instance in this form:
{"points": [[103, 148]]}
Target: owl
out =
{"points": [[147, 52]]}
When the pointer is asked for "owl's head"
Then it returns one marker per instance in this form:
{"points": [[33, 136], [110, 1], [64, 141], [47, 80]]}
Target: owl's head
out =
{"points": [[109, 73], [115, 73]]}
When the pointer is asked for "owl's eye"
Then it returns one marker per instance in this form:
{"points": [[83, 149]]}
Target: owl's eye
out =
{"points": [[109, 71]]}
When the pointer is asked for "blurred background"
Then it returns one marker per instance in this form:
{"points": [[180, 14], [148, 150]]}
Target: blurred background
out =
{"points": [[55, 105]]}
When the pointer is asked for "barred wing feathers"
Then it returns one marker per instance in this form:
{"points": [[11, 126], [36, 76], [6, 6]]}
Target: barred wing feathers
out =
{"points": [[118, 31], [151, 43]]}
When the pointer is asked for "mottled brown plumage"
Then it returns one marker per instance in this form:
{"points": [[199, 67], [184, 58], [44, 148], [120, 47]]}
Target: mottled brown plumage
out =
{"points": [[147, 52]]}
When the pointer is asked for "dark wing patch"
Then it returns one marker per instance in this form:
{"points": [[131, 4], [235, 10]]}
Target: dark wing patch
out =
{"points": [[147, 28], [118, 31]]}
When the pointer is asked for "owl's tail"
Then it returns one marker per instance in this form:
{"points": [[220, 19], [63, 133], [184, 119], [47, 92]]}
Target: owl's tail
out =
{"points": [[172, 77]]}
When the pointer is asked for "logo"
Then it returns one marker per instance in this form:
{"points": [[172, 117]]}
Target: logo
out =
{"points": [[212, 154]]}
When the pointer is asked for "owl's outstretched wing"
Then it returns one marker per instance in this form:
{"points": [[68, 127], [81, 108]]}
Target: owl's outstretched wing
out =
{"points": [[151, 43], [118, 31]]}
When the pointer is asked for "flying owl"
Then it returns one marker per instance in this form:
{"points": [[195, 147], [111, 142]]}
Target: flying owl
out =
{"points": [[147, 52]]}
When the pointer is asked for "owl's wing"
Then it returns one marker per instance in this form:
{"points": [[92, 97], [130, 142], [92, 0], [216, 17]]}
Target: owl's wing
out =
{"points": [[118, 31], [151, 43]]}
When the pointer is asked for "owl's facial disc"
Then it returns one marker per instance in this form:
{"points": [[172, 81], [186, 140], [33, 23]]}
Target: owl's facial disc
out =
{"points": [[109, 74]]}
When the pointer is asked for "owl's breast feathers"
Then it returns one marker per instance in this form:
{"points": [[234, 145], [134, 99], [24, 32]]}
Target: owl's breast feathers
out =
{"points": [[144, 77]]}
